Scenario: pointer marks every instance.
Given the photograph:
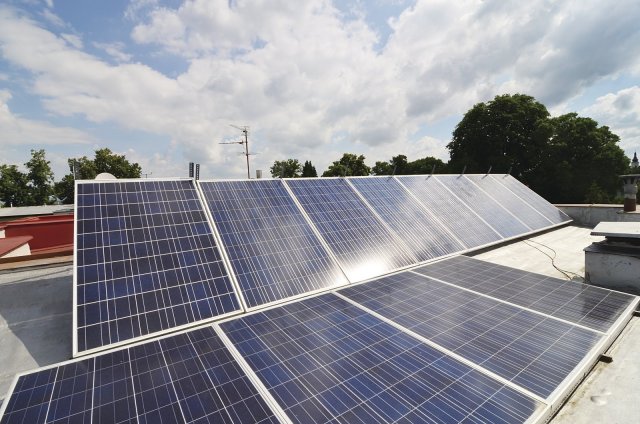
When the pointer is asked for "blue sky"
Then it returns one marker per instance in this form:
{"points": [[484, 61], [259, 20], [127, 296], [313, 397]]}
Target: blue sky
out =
{"points": [[161, 81]]}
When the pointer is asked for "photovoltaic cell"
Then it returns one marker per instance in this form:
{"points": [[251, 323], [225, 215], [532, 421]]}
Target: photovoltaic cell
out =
{"points": [[508, 200], [554, 214], [487, 208], [591, 306], [146, 261], [528, 349], [272, 248], [190, 377], [450, 210], [363, 245], [426, 237], [326, 360]]}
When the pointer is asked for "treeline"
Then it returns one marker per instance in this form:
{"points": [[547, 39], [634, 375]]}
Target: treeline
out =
{"points": [[565, 159], [37, 186]]}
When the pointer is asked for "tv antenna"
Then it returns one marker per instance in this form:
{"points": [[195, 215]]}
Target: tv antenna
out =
{"points": [[245, 142]]}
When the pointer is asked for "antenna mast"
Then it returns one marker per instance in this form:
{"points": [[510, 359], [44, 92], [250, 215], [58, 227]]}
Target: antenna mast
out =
{"points": [[245, 142]]}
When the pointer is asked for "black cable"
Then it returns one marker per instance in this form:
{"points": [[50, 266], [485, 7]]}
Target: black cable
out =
{"points": [[564, 272]]}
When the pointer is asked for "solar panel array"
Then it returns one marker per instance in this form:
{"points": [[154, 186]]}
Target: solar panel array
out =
{"points": [[146, 262], [364, 246], [273, 250], [531, 350], [458, 340]]}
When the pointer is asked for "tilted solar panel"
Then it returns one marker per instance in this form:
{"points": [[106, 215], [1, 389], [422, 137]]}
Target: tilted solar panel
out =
{"points": [[424, 234], [552, 213], [190, 377], [455, 214], [511, 202], [533, 351], [363, 245], [590, 306], [146, 261], [482, 204], [273, 250], [326, 360]]}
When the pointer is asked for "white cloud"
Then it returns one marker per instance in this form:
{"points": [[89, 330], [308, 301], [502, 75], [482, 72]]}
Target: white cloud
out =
{"points": [[19, 131], [620, 111], [115, 50], [311, 83]]}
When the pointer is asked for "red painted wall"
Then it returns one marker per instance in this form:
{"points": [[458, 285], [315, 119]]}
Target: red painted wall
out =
{"points": [[47, 231]]}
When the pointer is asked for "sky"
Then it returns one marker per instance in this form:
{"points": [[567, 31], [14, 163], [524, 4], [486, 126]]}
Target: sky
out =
{"points": [[164, 82]]}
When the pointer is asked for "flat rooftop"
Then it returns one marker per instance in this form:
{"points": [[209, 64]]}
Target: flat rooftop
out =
{"points": [[36, 322]]}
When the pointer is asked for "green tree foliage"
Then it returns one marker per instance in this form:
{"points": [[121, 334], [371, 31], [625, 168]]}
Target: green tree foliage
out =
{"points": [[87, 169], [403, 167], [13, 186], [349, 165], [564, 159], [582, 162], [289, 168], [40, 178], [35, 187], [308, 170], [509, 131]]}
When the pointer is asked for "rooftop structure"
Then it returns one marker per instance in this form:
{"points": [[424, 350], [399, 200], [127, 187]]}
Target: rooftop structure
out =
{"points": [[340, 325]]}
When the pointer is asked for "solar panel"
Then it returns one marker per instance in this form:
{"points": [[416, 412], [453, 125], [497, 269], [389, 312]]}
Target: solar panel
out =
{"points": [[189, 377], [530, 350], [326, 360], [273, 250], [552, 213], [363, 245], [450, 210], [508, 200], [488, 209], [146, 262], [590, 306], [425, 235]]}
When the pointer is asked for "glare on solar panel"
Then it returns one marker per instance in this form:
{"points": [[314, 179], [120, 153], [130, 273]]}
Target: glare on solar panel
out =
{"points": [[325, 360], [488, 209], [533, 351], [424, 234], [361, 242], [451, 211], [188, 377], [273, 250], [508, 200], [145, 262], [587, 305], [554, 214]]}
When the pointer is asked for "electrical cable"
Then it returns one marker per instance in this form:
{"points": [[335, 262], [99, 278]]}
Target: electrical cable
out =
{"points": [[564, 272]]}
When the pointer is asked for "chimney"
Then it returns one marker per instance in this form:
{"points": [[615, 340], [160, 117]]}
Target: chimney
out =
{"points": [[630, 189], [258, 173]]}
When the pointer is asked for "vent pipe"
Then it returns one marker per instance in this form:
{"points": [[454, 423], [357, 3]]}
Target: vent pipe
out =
{"points": [[630, 189]]}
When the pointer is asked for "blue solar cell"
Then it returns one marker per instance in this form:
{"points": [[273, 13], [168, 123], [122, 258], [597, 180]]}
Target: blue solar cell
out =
{"points": [[272, 248], [591, 306], [146, 261], [450, 210], [190, 377], [533, 351], [555, 215], [325, 360], [363, 245], [482, 204], [425, 235], [508, 200]]}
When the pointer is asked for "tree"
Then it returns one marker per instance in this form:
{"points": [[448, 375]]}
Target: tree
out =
{"points": [[14, 190], [398, 165], [308, 170], [289, 168], [582, 162], [511, 131], [87, 169], [349, 165], [40, 178], [426, 165]]}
